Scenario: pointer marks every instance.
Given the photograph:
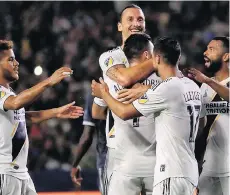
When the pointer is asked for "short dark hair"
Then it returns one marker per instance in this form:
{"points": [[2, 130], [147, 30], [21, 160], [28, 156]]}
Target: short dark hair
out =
{"points": [[135, 45], [224, 40], [127, 7], [169, 48], [5, 45]]}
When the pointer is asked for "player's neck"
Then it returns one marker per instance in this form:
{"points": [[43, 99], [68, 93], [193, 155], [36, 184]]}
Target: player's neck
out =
{"points": [[167, 71], [4, 83], [135, 62], [222, 74]]}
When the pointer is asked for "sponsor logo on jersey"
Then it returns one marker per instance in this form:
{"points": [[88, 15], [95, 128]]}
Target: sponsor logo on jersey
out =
{"points": [[221, 107], [124, 61], [109, 61], [143, 99], [2, 94]]}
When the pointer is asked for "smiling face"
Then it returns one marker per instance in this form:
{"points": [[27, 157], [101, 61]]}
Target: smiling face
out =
{"points": [[132, 21], [213, 56], [9, 65]]}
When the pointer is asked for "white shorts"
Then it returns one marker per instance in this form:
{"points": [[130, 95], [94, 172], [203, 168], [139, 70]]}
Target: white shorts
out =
{"points": [[213, 185], [13, 186], [129, 185], [174, 186]]}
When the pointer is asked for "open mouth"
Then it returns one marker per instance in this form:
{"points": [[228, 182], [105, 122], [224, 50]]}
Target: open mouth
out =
{"points": [[136, 31], [207, 61]]}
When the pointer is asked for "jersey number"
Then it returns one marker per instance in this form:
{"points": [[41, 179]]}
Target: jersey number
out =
{"points": [[194, 112], [136, 122]]}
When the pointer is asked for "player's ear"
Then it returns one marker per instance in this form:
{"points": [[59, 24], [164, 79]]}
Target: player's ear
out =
{"points": [[146, 55], [119, 27], [158, 59], [226, 57]]}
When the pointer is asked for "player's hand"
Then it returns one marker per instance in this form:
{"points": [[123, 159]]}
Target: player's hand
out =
{"points": [[103, 87], [196, 191], [59, 75], [127, 96], [69, 111], [95, 86], [75, 176], [197, 75]]}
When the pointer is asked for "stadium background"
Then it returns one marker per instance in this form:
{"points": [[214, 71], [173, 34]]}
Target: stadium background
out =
{"points": [[52, 34]]}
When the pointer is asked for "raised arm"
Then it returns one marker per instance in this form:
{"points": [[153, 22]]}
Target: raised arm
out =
{"points": [[68, 111], [114, 64], [131, 75], [28, 96], [216, 86]]}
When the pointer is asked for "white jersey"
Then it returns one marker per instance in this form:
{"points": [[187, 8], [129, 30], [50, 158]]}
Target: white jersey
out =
{"points": [[107, 60], [14, 142], [176, 103], [134, 140], [216, 158]]}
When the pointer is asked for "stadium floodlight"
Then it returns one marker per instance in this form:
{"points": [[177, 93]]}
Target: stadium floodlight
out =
{"points": [[38, 70]]}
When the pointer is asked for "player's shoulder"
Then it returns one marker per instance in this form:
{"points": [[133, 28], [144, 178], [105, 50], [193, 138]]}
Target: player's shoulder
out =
{"points": [[111, 53], [112, 57], [4, 91], [175, 83], [161, 85]]}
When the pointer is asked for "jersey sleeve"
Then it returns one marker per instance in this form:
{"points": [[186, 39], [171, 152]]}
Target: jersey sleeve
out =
{"points": [[3, 96], [87, 118], [112, 58], [154, 100], [100, 102]]}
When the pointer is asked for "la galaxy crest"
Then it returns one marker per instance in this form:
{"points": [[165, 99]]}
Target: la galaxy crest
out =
{"points": [[2, 94], [109, 61], [143, 99]]}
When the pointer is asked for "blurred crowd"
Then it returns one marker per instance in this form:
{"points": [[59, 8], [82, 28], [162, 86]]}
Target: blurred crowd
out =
{"points": [[74, 34]]}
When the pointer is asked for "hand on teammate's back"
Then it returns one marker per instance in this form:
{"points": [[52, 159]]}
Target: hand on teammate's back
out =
{"points": [[59, 75], [127, 96], [69, 111]]}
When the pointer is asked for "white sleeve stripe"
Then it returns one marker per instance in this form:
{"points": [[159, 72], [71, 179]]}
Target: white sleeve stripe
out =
{"points": [[135, 104], [88, 123]]}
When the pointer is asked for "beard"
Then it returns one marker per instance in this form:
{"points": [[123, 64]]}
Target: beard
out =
{"points": [[8, 76], [214, 67]]}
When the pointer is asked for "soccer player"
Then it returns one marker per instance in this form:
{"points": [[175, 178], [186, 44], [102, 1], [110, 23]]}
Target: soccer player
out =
{"points": [[214, 178], [134, 161], [90, 125], [14, 177], [176, 104], [116, 70]]}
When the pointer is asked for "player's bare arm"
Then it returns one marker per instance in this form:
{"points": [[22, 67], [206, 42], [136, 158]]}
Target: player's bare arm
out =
{"points": [[123, 111], [68, 111], [216, 86], [129, 76], [127, 96], [28, 96], [202, 124], [99, 112], [95, 86], [82, 147]]}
